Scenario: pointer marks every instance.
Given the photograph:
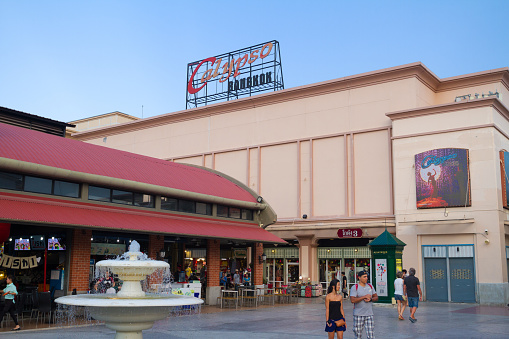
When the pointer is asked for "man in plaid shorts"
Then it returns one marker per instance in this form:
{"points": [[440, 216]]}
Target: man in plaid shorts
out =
{"points": [[362, 296]]}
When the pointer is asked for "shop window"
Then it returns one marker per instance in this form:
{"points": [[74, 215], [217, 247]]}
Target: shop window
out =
{"points": [[66, 189], [38, 185], [202, 208], [247, 214], [234, 213], [169, 204], [222, 211], [99, 193], [11, 181], [143, 200], [122, 197], [187, 206]]}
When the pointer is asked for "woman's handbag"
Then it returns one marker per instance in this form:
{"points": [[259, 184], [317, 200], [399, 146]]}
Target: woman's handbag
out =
{"points": [[340, 322]]}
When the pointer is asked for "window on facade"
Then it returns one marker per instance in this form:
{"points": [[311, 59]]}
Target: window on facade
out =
{"points": [[122, 197], [222, 211], [66, 189], [11, 181], [202, 208], [99, 193], [143, 200], [38, 185], [187, 206], [247, 214], [234, 213], [169, 204]]}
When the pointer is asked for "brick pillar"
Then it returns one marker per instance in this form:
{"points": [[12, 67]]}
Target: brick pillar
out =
{"points": [[155, 245], [213, 290], [257, 267], [80, 260], [213, 262]]}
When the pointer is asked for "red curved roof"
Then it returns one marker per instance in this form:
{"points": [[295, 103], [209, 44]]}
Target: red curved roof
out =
{"points": [[44, 149]]}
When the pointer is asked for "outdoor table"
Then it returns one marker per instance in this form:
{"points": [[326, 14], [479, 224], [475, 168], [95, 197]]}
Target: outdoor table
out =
{"points": [[229, 295], [267, 296], [249, 297]]}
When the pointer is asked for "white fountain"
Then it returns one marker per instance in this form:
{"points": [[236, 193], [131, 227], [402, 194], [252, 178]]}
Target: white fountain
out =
{"points": [[130, 310]]}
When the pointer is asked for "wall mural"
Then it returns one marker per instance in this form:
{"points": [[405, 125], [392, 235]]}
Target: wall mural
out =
{"points": [[442, 178]]}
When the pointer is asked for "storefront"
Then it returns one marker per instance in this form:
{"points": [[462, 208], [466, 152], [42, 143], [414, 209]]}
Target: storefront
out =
{"points": [[350, 260], [281, 266], [91, 208]]}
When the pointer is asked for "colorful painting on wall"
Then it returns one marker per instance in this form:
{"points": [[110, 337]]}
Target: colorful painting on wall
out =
{"points": [[504, 167], [442, 178]]}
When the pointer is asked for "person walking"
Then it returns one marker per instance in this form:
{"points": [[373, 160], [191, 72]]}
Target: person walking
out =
{"points": [[398, 294], [334, 313], [412, 290], [9, 292], [362, 296], [345, 285]]}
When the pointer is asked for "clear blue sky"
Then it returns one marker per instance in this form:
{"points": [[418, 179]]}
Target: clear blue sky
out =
{"points": [[68, 60]]}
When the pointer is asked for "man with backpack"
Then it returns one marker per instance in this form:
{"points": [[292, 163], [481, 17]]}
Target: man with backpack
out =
{"points": [[362, 296]]}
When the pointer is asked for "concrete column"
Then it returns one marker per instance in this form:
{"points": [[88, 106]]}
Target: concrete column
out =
{"points": [[213, 269], [80, 260], [308, 254]]}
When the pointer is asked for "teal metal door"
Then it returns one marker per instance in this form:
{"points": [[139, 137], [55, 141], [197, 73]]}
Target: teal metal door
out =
{"points": [[436, 279], [462, 280]]}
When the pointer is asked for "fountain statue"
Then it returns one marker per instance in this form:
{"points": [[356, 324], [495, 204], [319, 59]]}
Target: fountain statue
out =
{"points": [[130, 311]]}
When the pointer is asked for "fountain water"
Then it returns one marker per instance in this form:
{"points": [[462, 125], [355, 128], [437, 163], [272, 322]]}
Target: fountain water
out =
{"points": [[130, 310]]}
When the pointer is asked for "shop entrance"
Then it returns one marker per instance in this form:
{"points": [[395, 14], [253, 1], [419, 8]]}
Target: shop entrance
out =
{"points": [[436, 279], [449, 273]]}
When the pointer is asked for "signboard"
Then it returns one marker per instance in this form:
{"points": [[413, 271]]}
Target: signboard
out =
{"points": [[107, 249], [442, 178], [350, 233], [37, 242], [22, 245], [239, 252], [504, 167], [381, 277], [234, 75], [54, 245]]}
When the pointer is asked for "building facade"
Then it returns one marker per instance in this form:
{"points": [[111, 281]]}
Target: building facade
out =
{"points": [[337, 162]]}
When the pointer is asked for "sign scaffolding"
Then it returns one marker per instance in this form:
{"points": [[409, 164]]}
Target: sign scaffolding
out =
{"points": [[234, 75]]}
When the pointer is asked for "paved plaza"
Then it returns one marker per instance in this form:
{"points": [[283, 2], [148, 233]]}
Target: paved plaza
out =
{"points": [[307, 320]]}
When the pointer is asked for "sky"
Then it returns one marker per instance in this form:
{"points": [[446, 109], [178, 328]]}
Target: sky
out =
{"points": [[68, 59]]}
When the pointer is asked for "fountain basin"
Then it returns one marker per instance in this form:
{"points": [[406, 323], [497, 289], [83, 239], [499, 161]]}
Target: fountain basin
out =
{"points": [[128, 316]]}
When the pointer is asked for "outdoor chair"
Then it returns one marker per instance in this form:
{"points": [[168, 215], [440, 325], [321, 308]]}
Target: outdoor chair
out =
{"points": [[44, 307], [35, 304]]}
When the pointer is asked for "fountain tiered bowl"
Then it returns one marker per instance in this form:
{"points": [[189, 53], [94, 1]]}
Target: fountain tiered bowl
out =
{"points": [[130, 311]]}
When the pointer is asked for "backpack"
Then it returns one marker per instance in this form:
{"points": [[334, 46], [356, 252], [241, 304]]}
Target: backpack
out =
{"points": [[357, 286]]}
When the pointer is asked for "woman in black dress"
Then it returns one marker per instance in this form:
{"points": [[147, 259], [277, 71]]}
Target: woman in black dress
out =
{"points": [[334, 314]]}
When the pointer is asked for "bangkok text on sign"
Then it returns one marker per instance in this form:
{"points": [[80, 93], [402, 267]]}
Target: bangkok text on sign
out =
{"points": [[234, 75]]}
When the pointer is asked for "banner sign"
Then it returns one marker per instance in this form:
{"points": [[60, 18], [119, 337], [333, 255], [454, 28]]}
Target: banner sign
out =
{"points": [[350, 233], [18, 263], [504, 167], [442, 178], [381, 277], [234, 75]]}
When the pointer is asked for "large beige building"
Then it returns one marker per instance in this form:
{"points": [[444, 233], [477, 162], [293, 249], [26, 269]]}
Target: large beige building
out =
{"points": [[341, 154]]}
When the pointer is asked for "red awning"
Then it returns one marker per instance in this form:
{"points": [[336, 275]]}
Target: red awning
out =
{"points": [[23, 208]]}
